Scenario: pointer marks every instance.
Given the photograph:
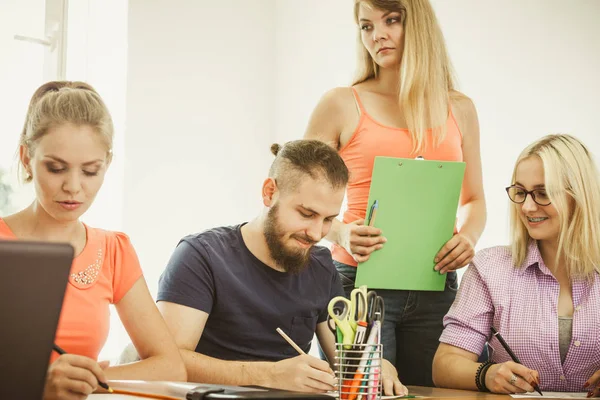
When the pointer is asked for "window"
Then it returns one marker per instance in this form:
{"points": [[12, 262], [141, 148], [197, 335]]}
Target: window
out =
{"points": [[32, 39]]}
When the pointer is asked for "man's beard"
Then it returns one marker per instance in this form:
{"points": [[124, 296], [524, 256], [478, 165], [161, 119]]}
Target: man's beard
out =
{"points": [[292, 261]]}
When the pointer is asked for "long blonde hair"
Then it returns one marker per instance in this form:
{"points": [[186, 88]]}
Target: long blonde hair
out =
{"points": [[573, 185], [60, 102], [426, 77]]}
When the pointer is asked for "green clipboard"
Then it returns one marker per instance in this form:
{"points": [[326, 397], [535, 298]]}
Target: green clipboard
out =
{"points": [[417, 206]]}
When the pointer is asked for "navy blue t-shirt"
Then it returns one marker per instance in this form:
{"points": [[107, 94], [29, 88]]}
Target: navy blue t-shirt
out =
{"points": [[215, 272]]}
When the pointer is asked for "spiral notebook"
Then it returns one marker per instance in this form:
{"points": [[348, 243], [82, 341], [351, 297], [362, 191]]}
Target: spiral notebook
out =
{"points": [[417, 203]]}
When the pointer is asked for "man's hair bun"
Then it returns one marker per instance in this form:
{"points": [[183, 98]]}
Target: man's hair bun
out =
{"points": [[275, 147]]}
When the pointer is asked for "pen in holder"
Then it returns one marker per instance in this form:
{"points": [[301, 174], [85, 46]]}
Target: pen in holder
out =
{"points": [[359, 371]]}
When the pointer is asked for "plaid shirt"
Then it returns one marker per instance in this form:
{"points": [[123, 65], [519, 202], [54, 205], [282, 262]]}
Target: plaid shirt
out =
{"points": [[522, 303]]}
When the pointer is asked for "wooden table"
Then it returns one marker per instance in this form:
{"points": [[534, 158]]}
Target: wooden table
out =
{"points": [[424, 392], [427, 392], [438, 393]]}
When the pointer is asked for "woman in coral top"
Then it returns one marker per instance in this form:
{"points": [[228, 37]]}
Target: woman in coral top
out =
{"points": [[65, 150], [402, 104]]}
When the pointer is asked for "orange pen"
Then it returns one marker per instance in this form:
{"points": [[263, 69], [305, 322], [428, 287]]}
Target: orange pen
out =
{"points": [[357, 380]]}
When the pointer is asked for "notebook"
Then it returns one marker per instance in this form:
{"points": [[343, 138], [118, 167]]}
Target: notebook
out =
{"points": [[199, 391]]}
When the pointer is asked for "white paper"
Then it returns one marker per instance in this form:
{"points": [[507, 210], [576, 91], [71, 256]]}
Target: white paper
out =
{"points": [[552, 395]]}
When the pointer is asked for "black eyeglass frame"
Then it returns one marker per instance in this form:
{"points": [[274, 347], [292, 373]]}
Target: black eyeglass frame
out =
{"points": [[527, 193]]}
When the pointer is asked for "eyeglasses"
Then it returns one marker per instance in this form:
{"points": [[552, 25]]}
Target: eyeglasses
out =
{"points": [[518, 195]]}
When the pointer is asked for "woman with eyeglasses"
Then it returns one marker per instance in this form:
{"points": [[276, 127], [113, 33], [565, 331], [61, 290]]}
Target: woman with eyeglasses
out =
{"points": [[541, 293]]}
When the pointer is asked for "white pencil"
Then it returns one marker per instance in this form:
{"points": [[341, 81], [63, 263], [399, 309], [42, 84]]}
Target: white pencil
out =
{"points": [[290, 341]]}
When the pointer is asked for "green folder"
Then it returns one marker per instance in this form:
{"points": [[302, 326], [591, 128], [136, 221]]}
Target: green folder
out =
{"points": [[417, 206]]}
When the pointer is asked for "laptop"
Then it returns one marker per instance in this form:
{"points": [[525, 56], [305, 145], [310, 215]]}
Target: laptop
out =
{"points": [[33, 280]]}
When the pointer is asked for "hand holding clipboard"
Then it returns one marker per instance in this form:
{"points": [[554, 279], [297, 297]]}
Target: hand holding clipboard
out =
{"points": [[360, 239]]}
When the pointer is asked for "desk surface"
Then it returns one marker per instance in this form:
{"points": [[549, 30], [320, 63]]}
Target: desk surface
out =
{"points": [[426, 392], [420, 391], [438, 393]]}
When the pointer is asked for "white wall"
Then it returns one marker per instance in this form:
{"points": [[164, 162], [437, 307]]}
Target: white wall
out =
{"points": [[314, 52], [200, 99], [99, 56], [531, 68]]}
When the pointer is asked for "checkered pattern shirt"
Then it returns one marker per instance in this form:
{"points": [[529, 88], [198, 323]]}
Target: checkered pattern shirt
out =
{"points": [[522, 303]]}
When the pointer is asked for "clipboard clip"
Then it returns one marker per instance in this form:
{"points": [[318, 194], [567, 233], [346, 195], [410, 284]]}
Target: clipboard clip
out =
{"points": [[416, 158], [421, 158]]}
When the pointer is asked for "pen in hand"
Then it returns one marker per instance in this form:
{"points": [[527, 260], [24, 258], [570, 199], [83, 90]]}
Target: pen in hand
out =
{"points": [[60, 351], [290, 341], [373, 213], [513, 356]]}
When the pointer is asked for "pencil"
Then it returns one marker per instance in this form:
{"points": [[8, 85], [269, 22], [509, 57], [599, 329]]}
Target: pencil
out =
{"points": [[290, 341], [60, 351], [147, 395], [512, 355]]}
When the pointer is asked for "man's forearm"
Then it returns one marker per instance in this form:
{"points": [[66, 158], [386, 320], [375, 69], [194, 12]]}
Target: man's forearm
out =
{"points": [[152, 368], [205, 369]]}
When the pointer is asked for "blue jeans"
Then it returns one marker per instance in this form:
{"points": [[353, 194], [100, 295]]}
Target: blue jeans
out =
{"points": [[412, 325]]}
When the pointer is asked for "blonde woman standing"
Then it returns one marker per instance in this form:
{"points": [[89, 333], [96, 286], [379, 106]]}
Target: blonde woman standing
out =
{"points": [[402, 104], [65, 151], [542, 293]]}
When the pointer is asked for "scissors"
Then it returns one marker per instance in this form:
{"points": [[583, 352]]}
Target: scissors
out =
{"points": [[341, 311], [375, 307], [347, 313], [358, 298], [331, 324]]}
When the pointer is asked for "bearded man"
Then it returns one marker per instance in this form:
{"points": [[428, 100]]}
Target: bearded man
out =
{"points": [[226, 290]]}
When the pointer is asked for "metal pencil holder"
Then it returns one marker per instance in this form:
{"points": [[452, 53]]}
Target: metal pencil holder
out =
{"points": [[359, 371]]}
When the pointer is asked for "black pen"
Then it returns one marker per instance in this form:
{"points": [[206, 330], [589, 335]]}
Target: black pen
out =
{"points": [[512, 355], [60, 351]]}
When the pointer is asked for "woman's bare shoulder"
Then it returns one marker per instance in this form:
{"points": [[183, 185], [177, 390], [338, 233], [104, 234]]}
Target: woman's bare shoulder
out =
{"points": [[329, 118], [465, 113], [338, 97], [461, 102]]}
